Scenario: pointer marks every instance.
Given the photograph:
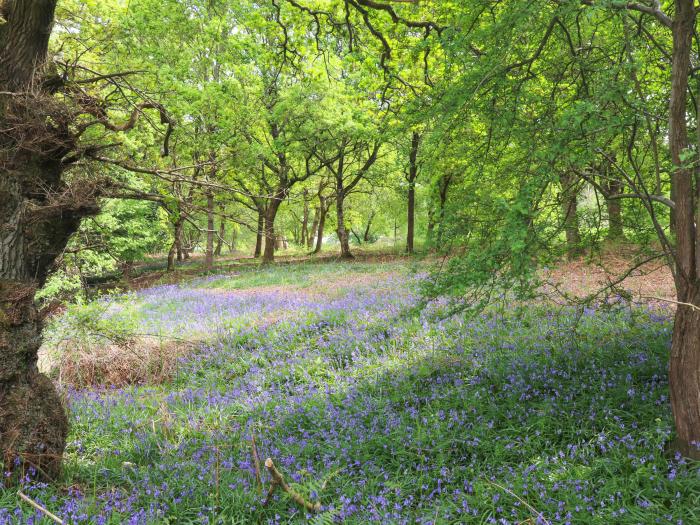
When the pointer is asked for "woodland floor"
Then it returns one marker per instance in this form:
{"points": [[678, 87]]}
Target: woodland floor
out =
{"points": [[178, 393]]}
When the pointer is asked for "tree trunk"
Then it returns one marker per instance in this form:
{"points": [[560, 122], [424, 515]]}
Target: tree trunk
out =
{"points": [[343, 236], [323, 210], [684, 372], [569, 210], [220, 239], [209, 253], [443, 187], [305, 220], [171, 258], [270, 240], [176, 248], [684, 366], [33, 423], [430, 231], [614, 206], [312, 233], [178, 243], [259, 234], [234, 236], [369, 227], [412, 176], [35, 225]]}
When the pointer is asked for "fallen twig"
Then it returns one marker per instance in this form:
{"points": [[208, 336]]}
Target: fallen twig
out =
{"points": [[256, 461], [278, 481], [38, 507], [677, 303], [521, 500]]}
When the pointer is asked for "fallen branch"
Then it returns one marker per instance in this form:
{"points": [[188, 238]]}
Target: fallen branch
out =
{"points": [[278, 481], [40, 508]]}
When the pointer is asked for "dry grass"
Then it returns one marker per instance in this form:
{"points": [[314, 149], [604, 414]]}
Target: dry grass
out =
{"points": [[144, 360]]}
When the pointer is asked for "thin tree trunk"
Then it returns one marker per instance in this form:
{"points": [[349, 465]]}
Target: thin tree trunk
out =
{"points": [[178, 244], [443, 187], [412, 176], [175, 249], [220, 239], [684, 366], [305, 220], [171, 258], [209, 253], [321, 224], [259, 234], [234, 236], [430, 231], [343, 236], [369, 227], [312, 233]]}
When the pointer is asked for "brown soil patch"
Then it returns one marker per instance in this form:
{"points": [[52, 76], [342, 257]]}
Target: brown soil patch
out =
{"points": [[649, 283]]}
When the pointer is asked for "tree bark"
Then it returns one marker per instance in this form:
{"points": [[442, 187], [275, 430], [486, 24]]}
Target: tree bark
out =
{"points": [[684, 366], [412, 176], [24, 40], [38, 214], [33, 424]]}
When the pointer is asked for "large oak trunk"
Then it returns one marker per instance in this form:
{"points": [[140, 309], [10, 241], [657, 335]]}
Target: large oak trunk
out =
{"points": [[37, 216], [33, 423]]}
